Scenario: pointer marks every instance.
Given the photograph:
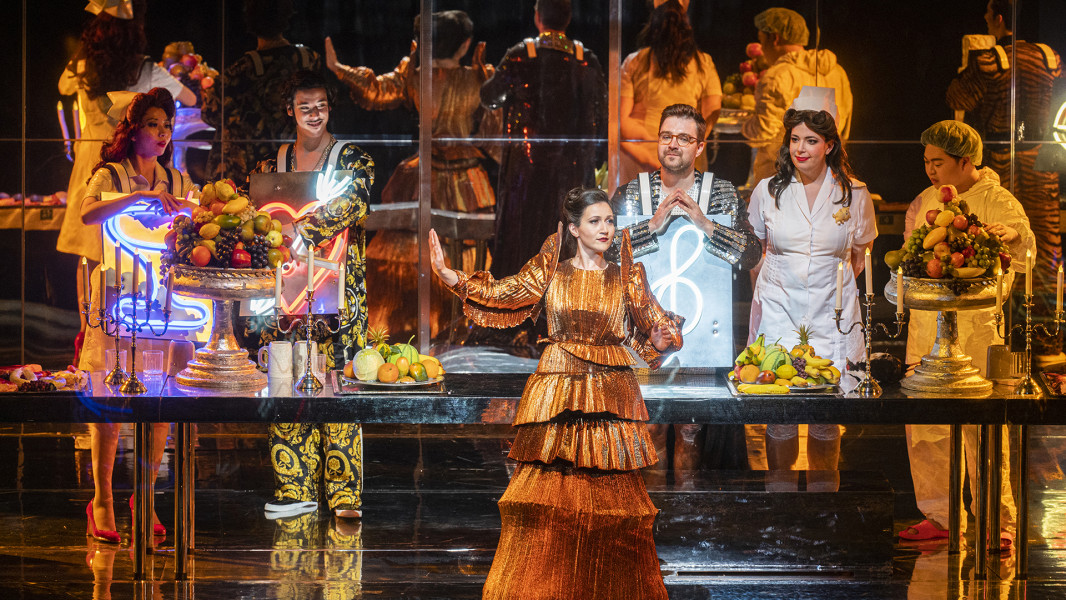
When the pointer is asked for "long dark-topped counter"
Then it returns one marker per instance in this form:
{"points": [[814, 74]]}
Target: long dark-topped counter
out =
{"points": [[491, 398]]}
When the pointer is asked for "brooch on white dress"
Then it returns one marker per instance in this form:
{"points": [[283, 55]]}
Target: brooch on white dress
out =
{"points": [[842, 216]]}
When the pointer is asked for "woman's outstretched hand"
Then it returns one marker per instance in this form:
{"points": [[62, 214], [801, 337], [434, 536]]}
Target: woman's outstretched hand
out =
{"points": [[436, 260], [661, 338]]}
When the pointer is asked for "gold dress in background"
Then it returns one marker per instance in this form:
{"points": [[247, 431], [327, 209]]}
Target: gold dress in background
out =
{"points": [[459, 182], [577, 519]]}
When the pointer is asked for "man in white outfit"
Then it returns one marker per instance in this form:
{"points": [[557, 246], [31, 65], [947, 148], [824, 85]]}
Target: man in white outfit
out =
{"points": [[953, 157]]}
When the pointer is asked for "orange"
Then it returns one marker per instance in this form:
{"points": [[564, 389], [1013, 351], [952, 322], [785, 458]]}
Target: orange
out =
{"points": [[388, 373]]}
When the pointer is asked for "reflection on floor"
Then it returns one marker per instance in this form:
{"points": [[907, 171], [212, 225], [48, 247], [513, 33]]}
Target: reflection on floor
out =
{"points": [[430, 525]]}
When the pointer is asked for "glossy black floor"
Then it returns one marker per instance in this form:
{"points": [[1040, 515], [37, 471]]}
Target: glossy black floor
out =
{"points": [[430, 525]]}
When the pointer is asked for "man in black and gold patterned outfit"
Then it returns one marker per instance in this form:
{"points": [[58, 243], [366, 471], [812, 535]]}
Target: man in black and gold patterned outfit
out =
{"points": [[315, 459]]}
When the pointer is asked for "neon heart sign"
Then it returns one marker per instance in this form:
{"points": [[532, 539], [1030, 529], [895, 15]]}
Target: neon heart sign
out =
{"points": [[288, 215]]}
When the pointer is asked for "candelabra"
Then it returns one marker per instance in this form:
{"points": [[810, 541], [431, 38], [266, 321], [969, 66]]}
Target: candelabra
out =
{"points": [[310, 324], [868, 387], [1028, 386], [111, 322]]}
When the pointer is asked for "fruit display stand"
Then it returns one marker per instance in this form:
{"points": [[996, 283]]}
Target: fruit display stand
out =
{"points": [[222, 364], [945, 370]]}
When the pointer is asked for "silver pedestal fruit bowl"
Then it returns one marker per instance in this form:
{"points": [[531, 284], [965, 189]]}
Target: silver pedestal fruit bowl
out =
{"points": [[945, 369], [222, 363]]}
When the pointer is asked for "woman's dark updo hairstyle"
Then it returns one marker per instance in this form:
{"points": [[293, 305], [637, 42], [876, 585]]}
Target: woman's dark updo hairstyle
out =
{"points": [[574, 205], [305, 79], [113, 50], [669, 36], [821, 123], [450, 29], [121, 144]]}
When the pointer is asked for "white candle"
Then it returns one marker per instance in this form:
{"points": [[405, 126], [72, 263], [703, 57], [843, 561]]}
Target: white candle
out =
{"points": [[103, 287], [899, 291], [340, 287], [170, 289], [277, 286], [136, 271], [310, 269], [118, 267], [840, 283], [1058, 291], [999, 292], [869, 274], [85, 279], [1028, 273]]}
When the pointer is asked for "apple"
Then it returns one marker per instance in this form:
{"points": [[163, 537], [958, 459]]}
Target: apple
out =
{"points": [[942, 250], [1004, 260], [948, 193], [968, 251], [263, 224], [190, 61], [275, 225], [286, 240], [240, 259], [286, 254], [766, 377], [961, 223], [749, 79], [931, 214], [207, 82], [745, 67], [935, 268], [274, 238], [973, 230], [274, 257], [753, 50], [957, 259], [201, 256], [171, 240]]}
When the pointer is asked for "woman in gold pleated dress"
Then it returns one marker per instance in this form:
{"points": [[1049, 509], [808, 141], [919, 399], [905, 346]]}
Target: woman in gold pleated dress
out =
{"points": [[459, 179], [577, 519]]}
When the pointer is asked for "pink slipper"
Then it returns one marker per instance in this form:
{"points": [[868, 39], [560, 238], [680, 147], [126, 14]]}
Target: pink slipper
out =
{"points": [[925, 530]]}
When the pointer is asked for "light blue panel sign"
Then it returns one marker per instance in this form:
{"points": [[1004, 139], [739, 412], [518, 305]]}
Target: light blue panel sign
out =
{"points": [[689, 281]]}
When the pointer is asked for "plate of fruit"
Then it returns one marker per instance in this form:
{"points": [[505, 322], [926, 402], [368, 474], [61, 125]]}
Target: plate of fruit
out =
{"points": [[227, 232], [773, 369], [398, 365], [32, 378], [952, 242]]}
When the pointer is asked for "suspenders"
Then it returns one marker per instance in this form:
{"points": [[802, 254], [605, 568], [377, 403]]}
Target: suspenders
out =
{"points": [[531, 49], [704, 200], [283, 156], [120, 178]]}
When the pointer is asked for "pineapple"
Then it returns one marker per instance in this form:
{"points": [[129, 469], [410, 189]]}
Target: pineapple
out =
{"points": [[379, 340], [804, 346]]}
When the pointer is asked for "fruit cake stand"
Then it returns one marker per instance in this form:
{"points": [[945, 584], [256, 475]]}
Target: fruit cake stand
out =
{"points": [[222, 363], [945, 370]]}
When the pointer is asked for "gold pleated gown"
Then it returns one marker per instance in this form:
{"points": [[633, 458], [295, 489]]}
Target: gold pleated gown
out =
{"points": [[577, 519]]}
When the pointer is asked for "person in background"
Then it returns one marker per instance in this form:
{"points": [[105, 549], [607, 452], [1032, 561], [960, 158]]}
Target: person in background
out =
{"points": [[315, 459], [548, 87], [952, 156], [460, 178], [983, 90], [668, 69], [783, 35], [246, 107], [677, 184], [577, 519], [132, 163], [811, 216], [110, 58]]}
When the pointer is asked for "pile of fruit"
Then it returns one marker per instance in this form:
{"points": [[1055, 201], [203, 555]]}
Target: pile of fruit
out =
{"points": [[32, 378], [398, 363], [226, 231], [774, 369], [738, 89], [184, 64], [952, 242]]}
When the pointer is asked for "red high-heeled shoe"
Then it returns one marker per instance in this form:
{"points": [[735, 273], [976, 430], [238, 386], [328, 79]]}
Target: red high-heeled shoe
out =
{"points": [[157, 530], [103, 535]]}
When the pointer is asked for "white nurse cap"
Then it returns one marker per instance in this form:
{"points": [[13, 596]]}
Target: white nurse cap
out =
{"points": [[816, 98]]}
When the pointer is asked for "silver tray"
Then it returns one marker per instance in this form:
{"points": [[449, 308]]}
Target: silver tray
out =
{"points": [[828, 389], [344, 386]]}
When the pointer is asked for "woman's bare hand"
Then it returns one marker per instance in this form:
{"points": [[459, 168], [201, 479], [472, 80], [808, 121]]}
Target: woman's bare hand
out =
{"points": [[661, 338], [436, 260]]}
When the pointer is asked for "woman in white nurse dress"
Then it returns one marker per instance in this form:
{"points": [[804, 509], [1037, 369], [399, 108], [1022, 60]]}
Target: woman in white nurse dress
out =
{"points": [[810, 216]]}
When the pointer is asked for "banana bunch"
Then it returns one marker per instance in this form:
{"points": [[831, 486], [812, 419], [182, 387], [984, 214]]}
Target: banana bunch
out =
{"points": [[762, 388], [817, 370]]}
